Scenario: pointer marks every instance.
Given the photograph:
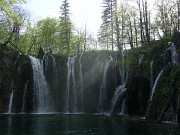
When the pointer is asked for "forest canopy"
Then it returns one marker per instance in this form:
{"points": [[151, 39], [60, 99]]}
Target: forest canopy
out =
{"points": [[125, 24]]}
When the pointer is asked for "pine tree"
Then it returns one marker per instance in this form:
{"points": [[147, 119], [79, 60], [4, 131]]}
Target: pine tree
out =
{"points": [[107, 26], [65, 24]]}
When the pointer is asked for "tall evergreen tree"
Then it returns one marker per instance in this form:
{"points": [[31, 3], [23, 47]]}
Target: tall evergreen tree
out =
{"points": [[104, 35], [65, 26], [107, 26]]}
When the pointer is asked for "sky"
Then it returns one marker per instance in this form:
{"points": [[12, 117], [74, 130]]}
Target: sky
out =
{"points": [[82, 12]]}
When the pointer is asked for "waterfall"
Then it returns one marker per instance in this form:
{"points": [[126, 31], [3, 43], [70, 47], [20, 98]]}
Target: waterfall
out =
{"points": [[123, 107], [140, 59], [11, 89], [71, 87], [41, 98], [24, 98], [10, 102], [45, 60], [151, 75], [54, 70], [115, 71], [174, 57], [81, 85], [154, 86], [120, 90], [102, 95], [16, 61]]}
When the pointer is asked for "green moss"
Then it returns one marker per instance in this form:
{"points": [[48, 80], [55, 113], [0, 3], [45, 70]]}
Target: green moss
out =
{"points": [[175, 75]]}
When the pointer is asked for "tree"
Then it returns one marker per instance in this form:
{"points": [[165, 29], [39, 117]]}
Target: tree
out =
{"points": [[106, 34], [10, 20], [79, 41], [65, 26], [105, 28], [7, 9], [167, 18], [47, 29], [178, 7]]}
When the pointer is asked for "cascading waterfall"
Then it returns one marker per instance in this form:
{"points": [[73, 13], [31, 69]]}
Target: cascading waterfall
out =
{"points": [[10, 102], [71, 87], [81, 85], [24, 98], [12, 93], [46, 62], [102, 95], [123, 107], [16, 61], [151, 75], [54, 71], [41, 98], [154, 86], [115, 71], [174, 57], [140, 59], [120, 90]]}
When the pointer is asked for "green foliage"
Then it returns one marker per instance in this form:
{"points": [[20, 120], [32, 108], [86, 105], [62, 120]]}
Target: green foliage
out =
{"points": [[65, 26], [106, 33], [3, 33], [169, 80], [175, 76], [6, 7]]}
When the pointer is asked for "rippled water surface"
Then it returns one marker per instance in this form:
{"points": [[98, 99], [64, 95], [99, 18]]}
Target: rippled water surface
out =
{"points": [[79, 125]]}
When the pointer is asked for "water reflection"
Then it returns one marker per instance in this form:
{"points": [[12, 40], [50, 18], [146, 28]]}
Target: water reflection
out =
{"points": [[78, 125]]}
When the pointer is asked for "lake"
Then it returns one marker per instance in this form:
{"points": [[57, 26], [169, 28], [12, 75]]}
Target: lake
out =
{"points": [[79, 125]]}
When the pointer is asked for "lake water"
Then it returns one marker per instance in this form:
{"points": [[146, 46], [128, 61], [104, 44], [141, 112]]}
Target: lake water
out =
{"points": [[79, 125]]}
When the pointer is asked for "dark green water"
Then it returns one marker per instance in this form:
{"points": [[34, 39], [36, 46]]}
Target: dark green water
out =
{"points": [[79, 125]]}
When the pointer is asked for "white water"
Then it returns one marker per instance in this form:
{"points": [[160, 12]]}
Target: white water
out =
{"points": [[151, 75], [140, 59], [46, 62], [174, 57], [24, 98], [10, 102], [81, 83], [54, 70], [120, 90], [123, 107], [71, 87], [102, 95], [115, 71], [41, 98], [155, 84]]}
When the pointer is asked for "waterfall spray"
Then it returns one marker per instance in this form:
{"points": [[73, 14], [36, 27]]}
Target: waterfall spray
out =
{"points": [[10, 102], [54, 70], [174, 56], [155, 84], [102, 95], [81, 85], [140, 59], [71, 87], [24, 98], [41, 98], [151, 75], [120, 90]]}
